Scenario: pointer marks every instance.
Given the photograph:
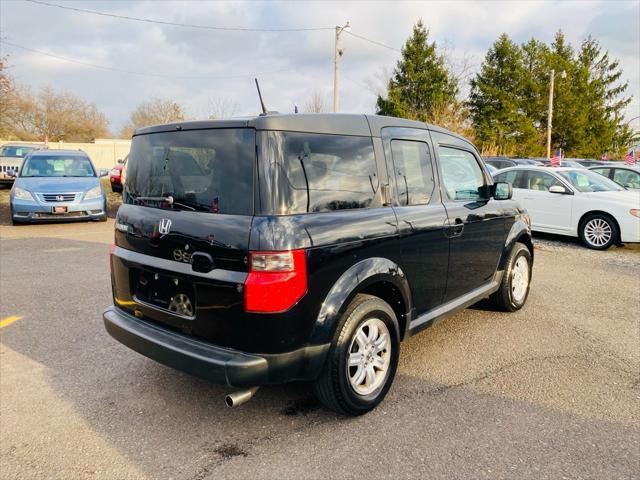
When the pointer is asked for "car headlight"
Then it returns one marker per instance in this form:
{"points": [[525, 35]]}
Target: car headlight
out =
{"points": [[635, 212], [95, 192], [22, 194]]}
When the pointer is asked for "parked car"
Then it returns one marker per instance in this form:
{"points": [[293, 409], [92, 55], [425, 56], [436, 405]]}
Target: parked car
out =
{"points": [[628, 177], [278, 248], [11, 157], [115, 175], [57, 185], [571, 163], [576, 202], [499, 162], [527, 161], [491, 169], [587, 162]]}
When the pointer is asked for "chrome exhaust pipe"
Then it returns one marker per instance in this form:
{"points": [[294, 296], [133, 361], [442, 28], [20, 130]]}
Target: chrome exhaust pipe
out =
{"points": [[236, 399]]}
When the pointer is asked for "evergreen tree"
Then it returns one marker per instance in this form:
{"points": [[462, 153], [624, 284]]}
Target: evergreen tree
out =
{"points": [[604, 94], [509, 99], [497, 98], [421, 85]]}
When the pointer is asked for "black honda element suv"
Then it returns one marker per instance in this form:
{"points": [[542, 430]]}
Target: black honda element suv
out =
{"points": [[306, 247]]}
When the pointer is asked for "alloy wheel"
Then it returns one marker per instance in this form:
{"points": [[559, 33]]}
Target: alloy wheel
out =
{"points": [[369, 356], [598, 232], [519, 279]]}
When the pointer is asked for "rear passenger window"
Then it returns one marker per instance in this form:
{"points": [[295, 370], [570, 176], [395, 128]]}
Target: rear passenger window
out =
{"points": [[318, 172], [414, 174], [461, 175]]}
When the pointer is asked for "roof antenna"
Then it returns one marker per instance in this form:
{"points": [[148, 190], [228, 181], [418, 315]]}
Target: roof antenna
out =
{"points": [[264, 109]]}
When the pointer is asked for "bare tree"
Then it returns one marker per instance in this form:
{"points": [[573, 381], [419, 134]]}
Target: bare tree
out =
{"points": [[222, 107], [316, 103], [56, 115], [153, 112], [379, 82], [8, 100]]}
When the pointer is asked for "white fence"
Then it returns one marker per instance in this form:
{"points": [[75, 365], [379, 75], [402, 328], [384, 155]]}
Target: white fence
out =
{"points": [[104, 152]]}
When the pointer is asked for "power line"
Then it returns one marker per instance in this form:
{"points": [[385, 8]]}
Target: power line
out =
{"points": [[375, 42], [176, 24], [133, 72]]}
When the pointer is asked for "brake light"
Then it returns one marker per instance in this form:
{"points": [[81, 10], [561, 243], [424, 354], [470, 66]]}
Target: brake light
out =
{"points": [[276, 281], [112, 249]]}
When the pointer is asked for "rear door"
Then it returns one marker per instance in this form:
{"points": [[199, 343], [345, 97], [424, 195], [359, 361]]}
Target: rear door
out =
{"points": [[476, 222], [424, 247], [182, 233]]}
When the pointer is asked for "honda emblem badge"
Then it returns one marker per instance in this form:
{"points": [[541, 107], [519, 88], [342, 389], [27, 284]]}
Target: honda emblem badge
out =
{"points": [[164, 226]]}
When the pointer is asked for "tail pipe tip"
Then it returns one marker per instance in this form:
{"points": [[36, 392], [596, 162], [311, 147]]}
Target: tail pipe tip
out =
{"points": [[236, 399]]}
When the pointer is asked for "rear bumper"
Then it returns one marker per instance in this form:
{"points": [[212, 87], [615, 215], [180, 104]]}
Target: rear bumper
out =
{"points": [[217, 364]]}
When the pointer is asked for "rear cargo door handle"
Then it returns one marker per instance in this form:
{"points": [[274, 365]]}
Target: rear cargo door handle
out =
{"points": [[201, 262]]}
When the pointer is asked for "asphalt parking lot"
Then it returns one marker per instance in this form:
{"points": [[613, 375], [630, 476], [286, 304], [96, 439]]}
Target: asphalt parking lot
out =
{"points": [[551, 391]]}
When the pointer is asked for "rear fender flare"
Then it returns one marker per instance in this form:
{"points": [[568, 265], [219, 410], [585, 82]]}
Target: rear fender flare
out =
{"points": [[356, 279], [520, 232]]}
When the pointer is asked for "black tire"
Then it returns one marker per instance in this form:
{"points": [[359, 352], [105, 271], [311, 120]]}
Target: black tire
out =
{"points": [[504, 299], [592, 224], [333, 388]]}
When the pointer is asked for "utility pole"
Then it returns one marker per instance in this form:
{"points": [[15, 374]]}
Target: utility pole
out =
{"points": [[336, 64], [550, 115]]}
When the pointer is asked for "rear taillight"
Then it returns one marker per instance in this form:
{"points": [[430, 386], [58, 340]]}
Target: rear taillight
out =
{"points": [[112, 249], [276, 281]]}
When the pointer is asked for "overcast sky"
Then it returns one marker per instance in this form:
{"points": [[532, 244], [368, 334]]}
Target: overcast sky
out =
{"points": [[206, 66]]}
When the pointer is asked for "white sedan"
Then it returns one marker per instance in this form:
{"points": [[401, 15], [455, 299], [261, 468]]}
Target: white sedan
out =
{"points": [[576, 202]]}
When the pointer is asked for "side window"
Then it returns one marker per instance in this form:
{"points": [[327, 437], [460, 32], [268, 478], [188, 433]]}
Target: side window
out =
{"points": [[541, 181], [603, 171], [413, 171], [318, 172], [461, 175], [626, 178], [514, 177]]}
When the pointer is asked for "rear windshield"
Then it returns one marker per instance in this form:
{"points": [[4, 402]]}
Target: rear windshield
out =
{"points": [[200, 170], [15, 151], [58, 166], [308, 172]]}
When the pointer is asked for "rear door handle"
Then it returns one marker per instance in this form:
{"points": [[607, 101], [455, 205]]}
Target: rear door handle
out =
{"points": [[201, 262]]}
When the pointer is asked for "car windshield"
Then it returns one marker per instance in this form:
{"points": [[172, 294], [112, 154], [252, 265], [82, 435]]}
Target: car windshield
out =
{"points": [[58, 166], [198, 170], [15, 151], [588, 181]]}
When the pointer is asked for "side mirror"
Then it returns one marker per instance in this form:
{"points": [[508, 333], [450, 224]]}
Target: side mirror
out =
{"points": [[502, 191], [103, 172], [557, 189], [11, 173]]}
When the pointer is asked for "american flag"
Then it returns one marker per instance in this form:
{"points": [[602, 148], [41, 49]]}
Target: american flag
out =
{"points": [[604, 156], [628, 159], [555, 160]]}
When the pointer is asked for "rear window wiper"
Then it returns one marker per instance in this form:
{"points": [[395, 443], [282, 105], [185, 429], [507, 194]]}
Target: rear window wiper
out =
{"points": [[168, 199]]}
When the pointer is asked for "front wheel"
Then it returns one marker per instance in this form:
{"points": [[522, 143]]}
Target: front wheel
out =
{"points": [[599, 231], [514, 287], [363, 358]]}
